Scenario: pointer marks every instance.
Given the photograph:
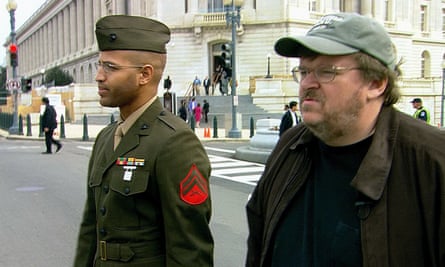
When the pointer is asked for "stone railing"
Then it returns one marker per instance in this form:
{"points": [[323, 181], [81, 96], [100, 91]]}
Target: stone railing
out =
{"points": [[210, 19]]}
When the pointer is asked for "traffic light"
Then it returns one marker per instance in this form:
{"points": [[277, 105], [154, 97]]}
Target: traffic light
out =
{"points": [[13, 54], [227, 55], [27, 85]]}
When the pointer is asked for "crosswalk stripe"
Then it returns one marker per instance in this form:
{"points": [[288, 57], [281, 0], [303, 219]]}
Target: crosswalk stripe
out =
{"points": [[236, 170], [222, 164]]}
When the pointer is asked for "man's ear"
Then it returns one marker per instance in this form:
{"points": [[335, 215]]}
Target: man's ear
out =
{"points": [[377, 88], [146, 74]]}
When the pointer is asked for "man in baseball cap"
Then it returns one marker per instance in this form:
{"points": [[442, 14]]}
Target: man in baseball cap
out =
{"points": [[355, 184]]}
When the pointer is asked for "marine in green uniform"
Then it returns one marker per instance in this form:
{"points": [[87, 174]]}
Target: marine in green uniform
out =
{"points": [[148, 199]]}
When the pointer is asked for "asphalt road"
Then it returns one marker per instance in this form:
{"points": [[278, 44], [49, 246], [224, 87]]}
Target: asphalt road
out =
{"points": [[42, 197]]}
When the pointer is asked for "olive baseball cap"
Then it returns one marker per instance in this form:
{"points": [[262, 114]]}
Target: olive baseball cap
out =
{"points": [[121, 32], [342, 34]]}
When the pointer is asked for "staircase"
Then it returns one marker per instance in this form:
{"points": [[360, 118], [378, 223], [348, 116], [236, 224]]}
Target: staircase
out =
{"points": [[221, 108]]}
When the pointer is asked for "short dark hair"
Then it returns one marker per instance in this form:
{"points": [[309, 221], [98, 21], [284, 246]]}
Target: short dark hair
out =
{"points": [[373, 69], [292, 104], [45, 100]]}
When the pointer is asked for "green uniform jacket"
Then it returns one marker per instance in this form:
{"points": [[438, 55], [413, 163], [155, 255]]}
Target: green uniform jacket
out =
{"points": [[148, 202]]}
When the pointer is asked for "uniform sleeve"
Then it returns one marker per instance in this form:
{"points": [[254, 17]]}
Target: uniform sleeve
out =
{"points": [[182, 174], [86, 243]]}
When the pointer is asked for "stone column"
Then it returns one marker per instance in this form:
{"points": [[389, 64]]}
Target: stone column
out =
{"points": [[52, 40], [66, 29], [60, 42], [73, 28], [89, 26], [80, 25], [366, 7]]}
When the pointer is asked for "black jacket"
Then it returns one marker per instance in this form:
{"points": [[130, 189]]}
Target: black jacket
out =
{"points": [[49, 118], [286, 121], [403, 173]]}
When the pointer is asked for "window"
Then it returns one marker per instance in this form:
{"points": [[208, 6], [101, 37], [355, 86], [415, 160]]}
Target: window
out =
{"points": [[443, 20], [423, 18], [313, 6], [215, 6], [425, 65]]}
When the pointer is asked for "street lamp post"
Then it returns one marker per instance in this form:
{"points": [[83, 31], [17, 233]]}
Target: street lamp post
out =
{"points": [[14, 129], [442, 95], [233, 18], [268, 66]]}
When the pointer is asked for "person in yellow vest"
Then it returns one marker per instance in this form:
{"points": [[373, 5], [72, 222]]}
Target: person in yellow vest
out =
{"points": [[421, 112], [148, 196]]}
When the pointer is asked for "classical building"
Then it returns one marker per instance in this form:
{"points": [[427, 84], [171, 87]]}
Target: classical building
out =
{"points": [[61, 33]]}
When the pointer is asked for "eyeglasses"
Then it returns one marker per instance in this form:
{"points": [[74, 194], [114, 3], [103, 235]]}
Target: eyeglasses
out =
{"points": [[323, 74], [110, 67]]}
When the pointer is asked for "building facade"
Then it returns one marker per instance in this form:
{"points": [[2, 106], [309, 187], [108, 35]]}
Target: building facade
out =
{"points": [[61, 34]]}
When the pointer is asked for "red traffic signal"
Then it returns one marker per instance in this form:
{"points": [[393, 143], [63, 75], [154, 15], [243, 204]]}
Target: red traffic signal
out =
{"points": [[13, 55], [13, 48]]}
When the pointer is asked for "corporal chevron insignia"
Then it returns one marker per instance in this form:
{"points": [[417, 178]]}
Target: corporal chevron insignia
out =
{"points": [[194, 188]]}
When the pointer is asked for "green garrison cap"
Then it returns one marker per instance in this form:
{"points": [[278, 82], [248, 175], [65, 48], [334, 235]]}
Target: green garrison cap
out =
{"points": [[121, 32], [342, 34]]}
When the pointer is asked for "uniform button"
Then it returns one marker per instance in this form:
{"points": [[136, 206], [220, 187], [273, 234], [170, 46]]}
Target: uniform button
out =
{"points": [[106, 189], [102, 231], [127, 190], [103, 210]]}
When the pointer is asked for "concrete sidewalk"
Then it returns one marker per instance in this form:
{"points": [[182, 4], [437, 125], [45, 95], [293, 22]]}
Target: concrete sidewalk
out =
{"points": [[77, 132]]}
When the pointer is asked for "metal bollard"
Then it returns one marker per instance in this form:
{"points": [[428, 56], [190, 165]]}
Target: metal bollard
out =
{"points": [[28, 125], [192, 122], [85, 128], [40, 127], [20, 125], [215, 127], [252, 128], [62, 127]]}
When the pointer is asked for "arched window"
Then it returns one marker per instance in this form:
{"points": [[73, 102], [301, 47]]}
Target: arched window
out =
{"points": [[425, 65], [82, 75], [90, 76]]}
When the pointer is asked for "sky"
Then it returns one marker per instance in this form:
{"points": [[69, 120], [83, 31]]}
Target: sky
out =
{"points": [[25, 8]]}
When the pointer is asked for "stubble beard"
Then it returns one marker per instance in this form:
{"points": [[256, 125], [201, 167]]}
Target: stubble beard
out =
{"points": [[337, 123]]}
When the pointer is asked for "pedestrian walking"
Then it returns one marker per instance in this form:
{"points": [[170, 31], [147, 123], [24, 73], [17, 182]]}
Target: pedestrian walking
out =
{"points": [[148, 199], [358, 183], [206, 83], [205, 110], [198, 114], [167, 83], [49, 124], [196, 86], [183, 111], [289, 118]]}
